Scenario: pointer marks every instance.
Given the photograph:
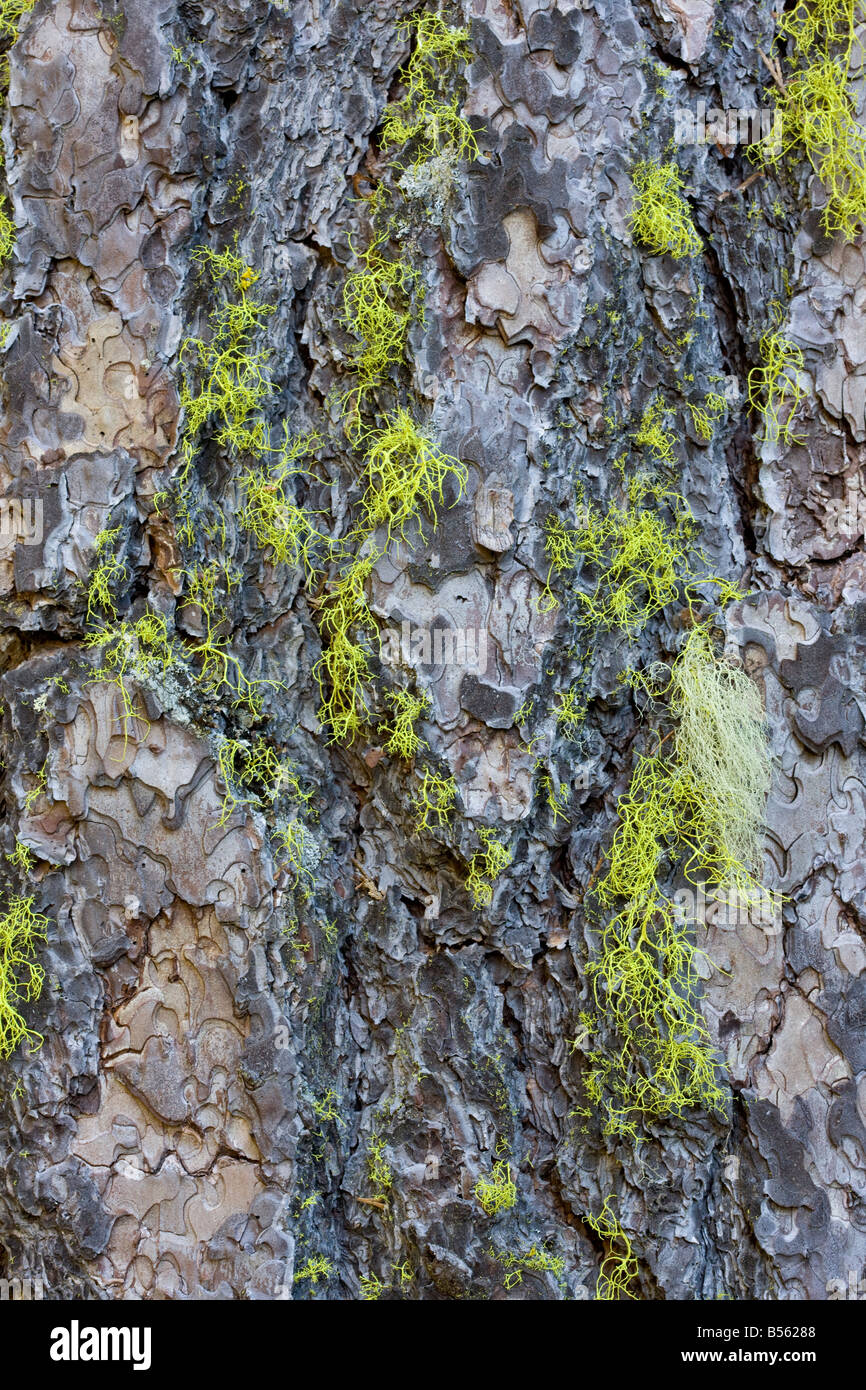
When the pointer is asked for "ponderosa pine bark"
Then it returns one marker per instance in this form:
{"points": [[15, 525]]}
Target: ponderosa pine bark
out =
{"points": [[287, 1052]]}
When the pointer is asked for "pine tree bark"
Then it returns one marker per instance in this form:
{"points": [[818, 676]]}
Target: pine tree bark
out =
{"points": [[223, 1058]]}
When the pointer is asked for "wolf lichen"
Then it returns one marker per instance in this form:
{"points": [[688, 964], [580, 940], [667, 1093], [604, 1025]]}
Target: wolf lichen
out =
{"points": [[316, 1268], [221, 673], [343, 670], [560, 548], [619, 1267], [433, 800], [556, 798], [274, 518], [644, 976], [21, 976], [775, 384], [11, 14], [326, 1107], [402, 736], [660, 218], [816, 113], [22, 857], [406, 474], [279, 525], [296, 850], [224, 384], [110, 573], [498, 1191], [144, 653], [570, 712], [651, 433], [536, 1259], [699, 809], [133, 654], [486, 865], [706, 416], [379, 1170], [381, 301], [702, 422], [255, 774], [424, 117], [646, 561], [371, 1287], [277, 774], [227, 382], [39, 788]]}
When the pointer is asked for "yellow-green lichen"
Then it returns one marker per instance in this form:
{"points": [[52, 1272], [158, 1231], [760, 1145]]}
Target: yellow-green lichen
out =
{"points": [[343, 670], [379, 1170], [230, 378], [220, 672], [816, 110], [646, 561], [433, 800], [225, 379], [371, 1287], [497, 1192], [11, 14], [255, 774], [39, 788], [560, 549], [325, 1107], [288, 532], [651, 434], [107, 578], [406, 474], [22, 857], [556, 797], [381, 300], [425, 118], [619, 1267], [535, 1260], [316, 1268], [699, 808], [21, 976], [133, 654], [775, 387], [486, 865], [403, 738], [570, 712], [295, 849], [660, 218]]}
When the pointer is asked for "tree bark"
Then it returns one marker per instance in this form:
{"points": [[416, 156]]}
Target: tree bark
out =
{"points": [[224, 1057]]}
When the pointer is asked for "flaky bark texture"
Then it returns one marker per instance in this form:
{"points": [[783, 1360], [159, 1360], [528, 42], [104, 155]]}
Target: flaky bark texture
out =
{"points": [[223, 1058]]}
